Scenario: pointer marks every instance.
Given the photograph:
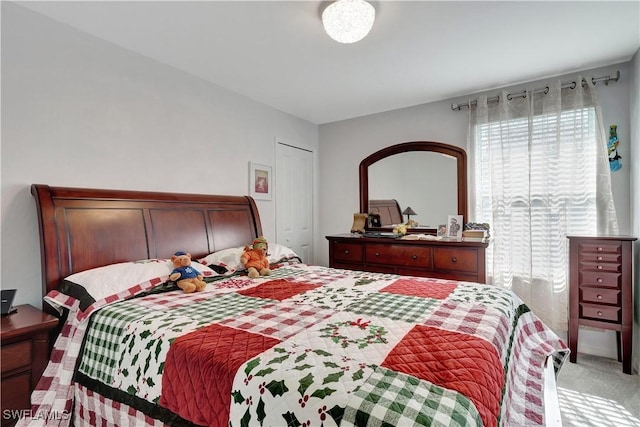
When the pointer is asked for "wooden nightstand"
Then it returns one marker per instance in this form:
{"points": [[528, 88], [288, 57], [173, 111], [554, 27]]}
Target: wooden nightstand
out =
{"points": [[24, 354]]}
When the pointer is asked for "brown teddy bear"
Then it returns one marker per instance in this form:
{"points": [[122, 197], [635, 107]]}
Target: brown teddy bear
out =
{"points": [[255, 258], [186, 277]]}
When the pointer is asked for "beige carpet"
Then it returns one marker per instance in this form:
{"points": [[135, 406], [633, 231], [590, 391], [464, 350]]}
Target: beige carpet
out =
{"points": [[595, 392]]}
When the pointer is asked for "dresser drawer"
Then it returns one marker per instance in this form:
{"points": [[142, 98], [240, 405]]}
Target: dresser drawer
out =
{"points": [[347, 251], [599, 248], [600, 295], [596, 278], [601, 312], [610, 267], [455, 259], [15, 356], [398, 255], [594, 257]]}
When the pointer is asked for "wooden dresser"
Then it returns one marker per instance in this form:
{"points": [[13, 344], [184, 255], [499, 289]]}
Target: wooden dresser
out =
{"points": [[457, 260], [601, 290], [24, 356]]}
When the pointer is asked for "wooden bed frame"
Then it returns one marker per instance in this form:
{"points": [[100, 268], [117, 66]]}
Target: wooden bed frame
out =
{"points": [[389, 210], [82, 228]]}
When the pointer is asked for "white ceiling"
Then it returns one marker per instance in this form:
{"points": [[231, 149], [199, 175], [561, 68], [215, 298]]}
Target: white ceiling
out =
{"points": [[277, 52]]}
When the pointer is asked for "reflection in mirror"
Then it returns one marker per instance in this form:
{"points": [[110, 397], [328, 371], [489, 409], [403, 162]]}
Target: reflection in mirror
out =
{"points": [[427, 182], [430, 177]]}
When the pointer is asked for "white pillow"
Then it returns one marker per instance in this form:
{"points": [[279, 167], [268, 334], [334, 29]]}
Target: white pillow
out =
{"points": [[118, 281], [227, 258], [279, 252], [230, 258]]}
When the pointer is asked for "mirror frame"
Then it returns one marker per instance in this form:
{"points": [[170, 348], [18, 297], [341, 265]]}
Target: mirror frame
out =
{"points": [[437, 147]]}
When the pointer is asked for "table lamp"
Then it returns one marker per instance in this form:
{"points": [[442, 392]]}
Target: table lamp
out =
{"points": [[408, 212]]}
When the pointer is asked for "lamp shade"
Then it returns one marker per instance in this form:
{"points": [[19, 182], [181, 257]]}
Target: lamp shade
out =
{"points": [[408, 211], [348, 21]]}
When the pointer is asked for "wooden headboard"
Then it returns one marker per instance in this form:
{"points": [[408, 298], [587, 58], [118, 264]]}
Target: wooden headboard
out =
{"points": [[389, 211], [82, 228]]}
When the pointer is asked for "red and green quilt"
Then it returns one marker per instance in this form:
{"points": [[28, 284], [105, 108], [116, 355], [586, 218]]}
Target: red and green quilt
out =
{"points": [[311, 346]]}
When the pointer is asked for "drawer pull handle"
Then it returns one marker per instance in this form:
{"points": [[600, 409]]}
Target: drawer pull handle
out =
{"points": [[599, 249], [599, 258], [414, 257], [599, 280], [377, 253], [599, 296], [599, 267], [454, 259], [346, 251], [599, 313]]}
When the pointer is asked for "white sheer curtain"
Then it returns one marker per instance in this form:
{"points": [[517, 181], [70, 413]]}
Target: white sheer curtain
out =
{"points": [[541, 172]]}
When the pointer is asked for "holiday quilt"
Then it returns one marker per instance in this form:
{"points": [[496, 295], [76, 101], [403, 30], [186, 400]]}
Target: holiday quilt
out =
{"points": [[310, 346]]}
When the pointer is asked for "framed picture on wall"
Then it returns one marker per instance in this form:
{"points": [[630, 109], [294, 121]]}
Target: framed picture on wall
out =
{"points": [[454, 227], [260, 181]]}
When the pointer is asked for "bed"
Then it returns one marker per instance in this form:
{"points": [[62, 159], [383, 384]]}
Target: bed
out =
{"points": [[389, 211], [304, 346]]}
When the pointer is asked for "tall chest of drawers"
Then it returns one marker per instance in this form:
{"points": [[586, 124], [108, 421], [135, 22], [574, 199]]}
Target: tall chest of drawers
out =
{"points": [[455, 260], [601, 290]]}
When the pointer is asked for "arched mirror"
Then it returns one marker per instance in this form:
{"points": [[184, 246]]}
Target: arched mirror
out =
{"points": [[428, 177]]}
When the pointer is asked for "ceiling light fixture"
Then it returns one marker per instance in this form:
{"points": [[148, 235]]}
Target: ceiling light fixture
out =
{"points": [[348, 21]]}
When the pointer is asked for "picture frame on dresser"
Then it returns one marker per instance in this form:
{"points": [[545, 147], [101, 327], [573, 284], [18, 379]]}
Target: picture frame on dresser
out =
{"points": [[454, 227]]}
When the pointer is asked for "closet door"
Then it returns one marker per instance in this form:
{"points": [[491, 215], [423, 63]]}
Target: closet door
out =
{"points": [[294, 199]]}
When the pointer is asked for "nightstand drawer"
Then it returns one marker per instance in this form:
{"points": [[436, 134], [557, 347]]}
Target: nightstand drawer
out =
{"points": [[347, 251], [600, 295], [600, 312], [16, 391], [398, 255], [596, 278], [16, 356]]}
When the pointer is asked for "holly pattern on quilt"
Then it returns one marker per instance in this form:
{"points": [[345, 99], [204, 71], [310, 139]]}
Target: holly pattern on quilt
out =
{"points": [[314, 376], [151, 337], [493, 296], [333, 298], [374, 333], [363, 277]]}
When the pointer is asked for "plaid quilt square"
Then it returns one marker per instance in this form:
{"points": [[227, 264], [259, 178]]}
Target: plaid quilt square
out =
{"points": [[473, 319], [219, 307], [397, 307], [523, 396], [389, 398], [102, 346], [279, 289], [284, 272], [280, 321], [425, 288]]}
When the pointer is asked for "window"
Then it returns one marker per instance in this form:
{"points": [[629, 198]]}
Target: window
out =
{"points": [[536, 195]]}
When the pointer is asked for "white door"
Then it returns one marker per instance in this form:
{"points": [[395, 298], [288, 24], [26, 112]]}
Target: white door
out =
{"points": [[294, 199]]}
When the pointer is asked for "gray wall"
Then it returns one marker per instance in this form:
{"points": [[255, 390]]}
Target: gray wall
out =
{"points": [[81, 112], [634, 164]]}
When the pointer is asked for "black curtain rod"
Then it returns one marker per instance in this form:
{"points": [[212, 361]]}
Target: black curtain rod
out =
{"points": [[523, 94]]}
